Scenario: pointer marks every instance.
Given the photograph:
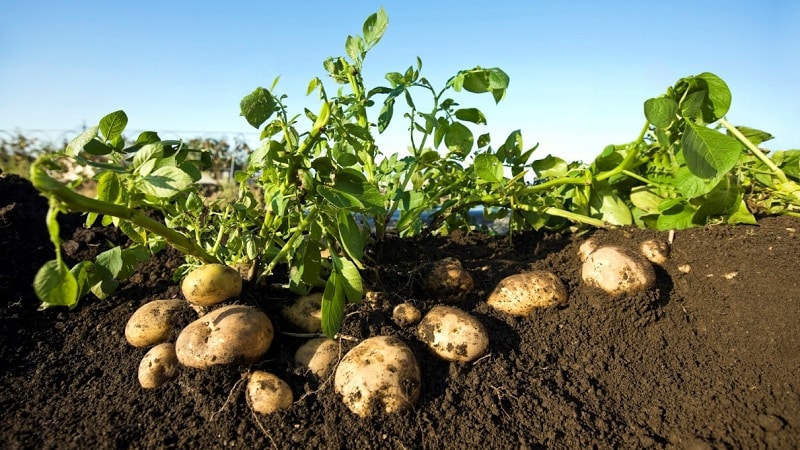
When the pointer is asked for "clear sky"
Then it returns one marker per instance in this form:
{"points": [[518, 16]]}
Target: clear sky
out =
{"points": [[580, 70]]}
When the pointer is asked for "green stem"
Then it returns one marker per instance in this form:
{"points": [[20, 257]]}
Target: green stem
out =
{"points": [[289, 245], [632, 153], [758, 153], [78, 203]]}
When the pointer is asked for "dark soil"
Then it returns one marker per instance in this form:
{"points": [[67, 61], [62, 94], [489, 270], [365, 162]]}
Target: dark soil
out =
{"points": [[709, 359]]}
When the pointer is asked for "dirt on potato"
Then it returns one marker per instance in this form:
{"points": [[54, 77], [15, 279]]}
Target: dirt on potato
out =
{"points": [[710, 358]]}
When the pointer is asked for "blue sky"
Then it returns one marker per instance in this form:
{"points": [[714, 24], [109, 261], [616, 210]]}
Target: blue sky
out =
{"points": [[580, 70]]}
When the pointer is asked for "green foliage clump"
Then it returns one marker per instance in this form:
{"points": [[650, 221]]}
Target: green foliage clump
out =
{"points": [[318, 189]]}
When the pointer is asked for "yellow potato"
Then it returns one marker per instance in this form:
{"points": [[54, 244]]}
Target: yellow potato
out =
{"points": [[317, 356], [448, 281], [618, 271], [266, 393], [153, 322], [453, 334], [655, 251], [158, 366], [211, 284], [233, 334], [380, 371], [305, 313], [523, 293], [406, 314]]}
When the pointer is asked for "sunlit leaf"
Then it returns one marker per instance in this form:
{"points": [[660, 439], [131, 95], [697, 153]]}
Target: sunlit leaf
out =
{"points": [[709, 153], [113, 124], [55, 285], [257, 107]]}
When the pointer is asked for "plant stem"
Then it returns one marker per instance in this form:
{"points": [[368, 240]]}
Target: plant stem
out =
{"points": [[758, 153], [298, 232], [78, 203]]}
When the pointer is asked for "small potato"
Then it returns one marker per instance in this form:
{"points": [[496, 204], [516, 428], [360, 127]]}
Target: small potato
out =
{"points": [[448, 281], [523, 293], [655, 251], [317, 356], [159, 365], [305, 313], [618, 271], [406, 314], [152, 323], [266, 393], [211, 284], [453, 334], [233, 334], [381, 370]]}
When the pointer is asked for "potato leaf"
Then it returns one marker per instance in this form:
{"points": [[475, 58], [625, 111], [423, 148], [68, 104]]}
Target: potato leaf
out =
{"points": [[332, 308], [257, 107], [661, 111], [55, 285], [113, 124], [489, 168], [709, 153], [165, 182]]}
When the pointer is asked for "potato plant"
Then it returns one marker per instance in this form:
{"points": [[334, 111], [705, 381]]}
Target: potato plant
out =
{"points": [[320, 185]]}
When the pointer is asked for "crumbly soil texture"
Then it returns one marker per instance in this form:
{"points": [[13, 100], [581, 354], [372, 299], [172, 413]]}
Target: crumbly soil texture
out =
{"points": [[710, 358]]}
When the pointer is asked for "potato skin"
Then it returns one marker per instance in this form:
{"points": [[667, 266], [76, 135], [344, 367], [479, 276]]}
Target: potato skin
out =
{"points": [[211, 284], [448, 281], [159, 365], [266, 393], [317, 356], [305, 312], [152, 323], [234, 334], [523, 293], [453, 334], [618, 271], [381, 370]]}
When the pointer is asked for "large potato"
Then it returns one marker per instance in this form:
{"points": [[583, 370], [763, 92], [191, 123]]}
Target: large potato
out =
{"points": [[153, 322], [522, 293], [266, 393], [618, 271], [317, 356], [233, 334], [159, 365], [380, 371], [448, 281], [211, 284], [453, 334]]}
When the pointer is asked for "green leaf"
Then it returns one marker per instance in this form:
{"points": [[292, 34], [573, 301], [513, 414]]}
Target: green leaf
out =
{"points": [[111, 260], [489, 168], [742, 215], [257, 107], [55, 285], [350, 237], [660, 111], [95, 147], [611, 207], [550, 167], [473, 115], [306, 266], [112, 125], [458, 139], [350, 279], [339, 199], [709, 153], [753, 135], [332, 309], [375, 26], [385, 116], [718, 101], [79, 142], [723, 200], [109, 188], [677, 217], [354, 46], [147, 137], [165, 182], [480, 80], [645, 199]]}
